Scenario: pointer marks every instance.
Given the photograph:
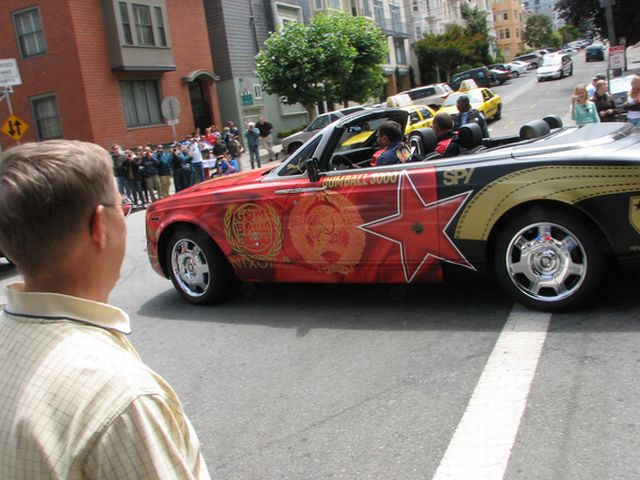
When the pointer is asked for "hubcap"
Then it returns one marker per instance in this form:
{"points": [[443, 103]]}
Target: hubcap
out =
{"points": [[546, 262], [190, 268]]}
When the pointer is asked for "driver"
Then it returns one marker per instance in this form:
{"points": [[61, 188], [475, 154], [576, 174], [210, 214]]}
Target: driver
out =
{"points": [[392, 150]]}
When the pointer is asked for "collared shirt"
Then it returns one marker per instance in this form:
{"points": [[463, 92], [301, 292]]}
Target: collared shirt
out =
{"points": [[76, 401]]}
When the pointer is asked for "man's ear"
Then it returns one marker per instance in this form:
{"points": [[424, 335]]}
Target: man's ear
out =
{"points": [[99, 227]]}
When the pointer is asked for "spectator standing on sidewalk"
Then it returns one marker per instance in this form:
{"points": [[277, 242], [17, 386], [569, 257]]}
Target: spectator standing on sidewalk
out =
{"points": [[77, 401], [196, 161], [583, 110], [132, 167], [149, 164], [118, 158], [253, 144], [265, 137], [633, 101], [235, 150], [165, 170], [605, 105], [181, 168]]}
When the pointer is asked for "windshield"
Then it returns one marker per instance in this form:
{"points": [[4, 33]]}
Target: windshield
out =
{"points": [[475, 96], [551, 61]]}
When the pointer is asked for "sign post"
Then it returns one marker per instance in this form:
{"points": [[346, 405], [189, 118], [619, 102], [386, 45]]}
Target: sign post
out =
{"points": [[171, 112], [10, 76]]}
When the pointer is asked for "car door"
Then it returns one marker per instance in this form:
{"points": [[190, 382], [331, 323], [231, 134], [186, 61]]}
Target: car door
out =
{"points": [[491, 103]]}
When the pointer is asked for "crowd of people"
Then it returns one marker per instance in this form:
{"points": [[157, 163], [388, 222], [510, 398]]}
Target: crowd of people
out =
{"points": [[148, 172], [594, 104]]}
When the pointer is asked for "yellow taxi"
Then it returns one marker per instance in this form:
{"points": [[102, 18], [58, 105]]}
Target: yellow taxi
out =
{"points": [[482, 99], [420, 116]]}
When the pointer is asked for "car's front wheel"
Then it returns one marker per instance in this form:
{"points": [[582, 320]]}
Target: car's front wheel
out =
{"points": [[515, 74], [498, 114], [548, 260], [197, 267]]}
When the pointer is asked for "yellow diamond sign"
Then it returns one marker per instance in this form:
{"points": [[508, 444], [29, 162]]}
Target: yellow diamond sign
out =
{"points": [[14, 127]]}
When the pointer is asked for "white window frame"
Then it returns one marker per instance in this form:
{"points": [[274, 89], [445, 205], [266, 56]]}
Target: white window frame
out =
{"points": [[257, 91], [288, 13], [37, 35]]}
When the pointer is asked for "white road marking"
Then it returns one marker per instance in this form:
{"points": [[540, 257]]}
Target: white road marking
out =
{"points": [[482, 443]]}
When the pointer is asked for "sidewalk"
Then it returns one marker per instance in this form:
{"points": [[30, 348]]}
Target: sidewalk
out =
{"points": [[245, 162]]}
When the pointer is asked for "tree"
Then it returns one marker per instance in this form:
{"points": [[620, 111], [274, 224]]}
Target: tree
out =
{"points": [[336, 58], [538, 31], [569, 33], [626, 17], [477, 25], [441, 55]]}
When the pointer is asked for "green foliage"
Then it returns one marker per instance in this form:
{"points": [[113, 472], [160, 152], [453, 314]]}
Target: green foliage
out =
{"points": [[569, 33], [500, 57], [556, 40], [336, 58], [626, 17], [439, 56], [286, 133], [538, 31]]}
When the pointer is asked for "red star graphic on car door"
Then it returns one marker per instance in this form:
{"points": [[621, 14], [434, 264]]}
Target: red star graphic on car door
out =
{"points": [[419, 228]]}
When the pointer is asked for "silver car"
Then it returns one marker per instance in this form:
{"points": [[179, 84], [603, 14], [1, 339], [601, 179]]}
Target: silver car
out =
{"points": [[294, 141]]}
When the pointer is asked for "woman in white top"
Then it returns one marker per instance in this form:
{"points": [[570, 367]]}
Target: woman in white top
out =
{"points": [[633, 101]]}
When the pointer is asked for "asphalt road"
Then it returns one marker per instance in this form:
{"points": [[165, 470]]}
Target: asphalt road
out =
{"points": [[379, 382]]}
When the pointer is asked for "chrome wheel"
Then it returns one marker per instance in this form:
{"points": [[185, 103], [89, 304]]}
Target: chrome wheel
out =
{"points": [[546, 262], [190, 268]]}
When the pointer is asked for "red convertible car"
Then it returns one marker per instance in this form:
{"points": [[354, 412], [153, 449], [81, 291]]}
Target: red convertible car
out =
{"points": [[545, 211]]}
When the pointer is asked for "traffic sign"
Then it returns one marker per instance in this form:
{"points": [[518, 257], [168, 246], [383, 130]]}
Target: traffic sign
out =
{"points": [[14, 127], [170, 108], [616, 57], [9, 74]]}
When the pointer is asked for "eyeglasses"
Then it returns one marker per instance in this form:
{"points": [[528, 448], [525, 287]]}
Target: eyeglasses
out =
{"points": [[125, 208]]}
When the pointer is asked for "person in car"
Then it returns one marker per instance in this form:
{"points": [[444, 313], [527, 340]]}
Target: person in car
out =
{"points": [[393, 150], [447, 145], [605, 105], [583, 110], [469, 115]]}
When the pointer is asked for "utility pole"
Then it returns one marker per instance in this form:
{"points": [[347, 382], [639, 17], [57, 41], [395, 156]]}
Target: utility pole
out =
{"points": [[608, 10]]}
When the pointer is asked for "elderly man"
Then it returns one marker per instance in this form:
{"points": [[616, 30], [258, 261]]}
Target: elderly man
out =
{"points": [[76, 400]]}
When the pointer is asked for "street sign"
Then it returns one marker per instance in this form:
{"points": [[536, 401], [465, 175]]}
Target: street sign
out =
{"points": [[616, 57], [170, 108], [14, 127], [9, 74]]}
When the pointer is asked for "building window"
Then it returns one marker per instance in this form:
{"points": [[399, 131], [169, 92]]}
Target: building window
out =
{"points": [[141, 102], [517, 33], [126, 24], [378, 12], [257, 91], [401, 56], [501, 32], [46, 116], [507, 33], [319, 4], [144, 29], [334, 4], [29, 31], [162, 37], [505, 16], [288, 13], [366, 8], [396, 18]]}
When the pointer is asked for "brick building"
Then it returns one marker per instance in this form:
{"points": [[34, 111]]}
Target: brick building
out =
{"points": [[97, 70]]}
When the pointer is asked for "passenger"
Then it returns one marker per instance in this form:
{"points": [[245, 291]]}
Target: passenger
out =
{"points": [[583, 110], [447, 145], [469, 115], [393, 150]]}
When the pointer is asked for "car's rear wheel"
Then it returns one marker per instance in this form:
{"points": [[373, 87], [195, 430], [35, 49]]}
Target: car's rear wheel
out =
{"points": [[197, 267], [515, 74], [293, 147], [548, 260], [498, 114]]}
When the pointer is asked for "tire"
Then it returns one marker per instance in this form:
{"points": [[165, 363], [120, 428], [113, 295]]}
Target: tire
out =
{"points": [[515, 74], [498, 114], [571, 71], [293, 147], [548, 260], [197, 267]]}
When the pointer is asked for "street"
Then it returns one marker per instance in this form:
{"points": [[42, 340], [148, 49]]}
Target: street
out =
{"points": [[399, 382]]}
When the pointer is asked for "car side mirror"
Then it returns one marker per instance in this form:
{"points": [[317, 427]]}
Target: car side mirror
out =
{"points": [[311, 166]]}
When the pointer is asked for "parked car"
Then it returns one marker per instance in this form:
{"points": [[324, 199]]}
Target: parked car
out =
{"points": [[517, 68], [500, 75], [546, 212], [291, 143], [555, 65], [430, 95], [481, 75], [515, 72], [594, 52], [619, 88], [534, 59]]}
